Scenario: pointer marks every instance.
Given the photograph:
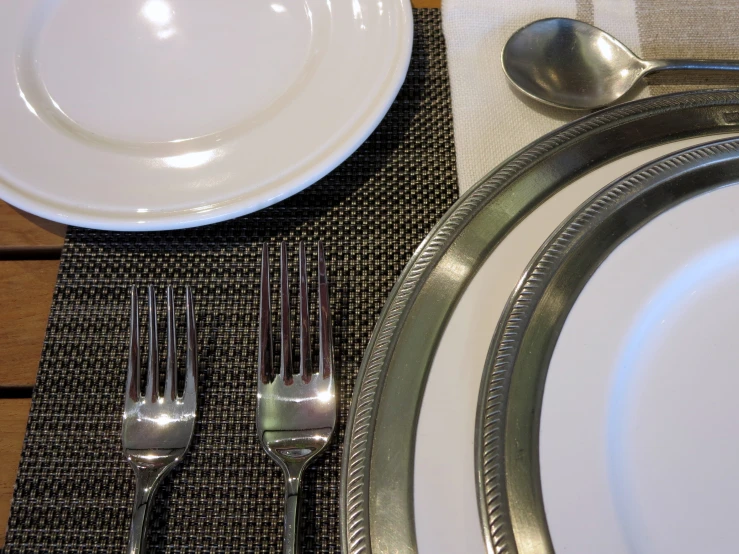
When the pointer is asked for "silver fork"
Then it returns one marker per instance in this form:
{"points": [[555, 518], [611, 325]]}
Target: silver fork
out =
{"points": [[157, 429], [296, 414]]}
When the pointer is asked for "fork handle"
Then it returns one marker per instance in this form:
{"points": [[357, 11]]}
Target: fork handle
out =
{"points": [[292, 539], [147, 483], [292, 524]]}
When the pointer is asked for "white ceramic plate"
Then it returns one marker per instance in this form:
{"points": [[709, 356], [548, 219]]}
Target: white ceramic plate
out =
{"points": [[161, 114], [446, 509], [639, 436]]}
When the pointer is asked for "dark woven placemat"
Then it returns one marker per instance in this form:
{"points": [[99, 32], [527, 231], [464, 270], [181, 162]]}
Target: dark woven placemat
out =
{"points": [[74, 491]]}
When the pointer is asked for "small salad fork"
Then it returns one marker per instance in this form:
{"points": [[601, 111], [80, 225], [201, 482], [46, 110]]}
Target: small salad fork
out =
{"points": [[157, 429]]}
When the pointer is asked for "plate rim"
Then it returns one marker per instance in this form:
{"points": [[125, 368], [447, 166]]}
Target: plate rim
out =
{"points": [[80, 215], [380, 435], [513, 381]]}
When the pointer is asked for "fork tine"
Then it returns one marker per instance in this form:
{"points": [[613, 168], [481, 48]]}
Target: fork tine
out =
{"points": [[170, 381], [325, 335], [264, 356], [191, 365], [152, 373], [305, 362], [133, 378], [286, 363]]}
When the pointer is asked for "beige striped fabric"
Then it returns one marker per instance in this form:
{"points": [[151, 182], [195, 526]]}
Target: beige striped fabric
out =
{"points": [[585, 11], [688, 29], [492, 121]]}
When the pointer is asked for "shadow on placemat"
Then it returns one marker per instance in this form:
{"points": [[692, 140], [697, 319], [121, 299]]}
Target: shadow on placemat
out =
{"points": [[74, 491]]}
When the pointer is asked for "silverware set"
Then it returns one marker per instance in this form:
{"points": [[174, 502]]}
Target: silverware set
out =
{"points": [[562, 62], [296, 413]]}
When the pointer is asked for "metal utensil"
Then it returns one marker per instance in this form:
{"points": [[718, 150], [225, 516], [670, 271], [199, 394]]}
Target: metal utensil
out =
{"points": [[570, 64], [157, 429], [296, 414]]}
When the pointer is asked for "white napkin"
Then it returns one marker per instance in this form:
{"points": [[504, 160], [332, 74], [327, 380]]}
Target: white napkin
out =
{"points": [[491, 121]]}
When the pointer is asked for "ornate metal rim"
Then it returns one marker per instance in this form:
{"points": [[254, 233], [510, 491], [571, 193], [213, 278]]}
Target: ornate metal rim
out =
{"points": [[377, 466], [507, 433]]}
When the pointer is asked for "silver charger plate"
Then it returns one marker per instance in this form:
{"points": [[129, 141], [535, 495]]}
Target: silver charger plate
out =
{"points": [[377, 471]]}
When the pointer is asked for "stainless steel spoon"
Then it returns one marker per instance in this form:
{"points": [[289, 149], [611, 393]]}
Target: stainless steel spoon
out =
{"points": [[570, 64]]}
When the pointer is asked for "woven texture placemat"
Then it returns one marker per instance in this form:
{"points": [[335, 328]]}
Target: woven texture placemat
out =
{"points": [[74, 491]]}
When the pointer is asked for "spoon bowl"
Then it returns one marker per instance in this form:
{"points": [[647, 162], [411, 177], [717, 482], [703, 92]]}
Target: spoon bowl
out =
{"points": [[570, 64]]}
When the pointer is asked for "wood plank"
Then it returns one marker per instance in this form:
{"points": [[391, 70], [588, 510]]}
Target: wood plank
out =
{"points": [[426, 3], [13, 414], [26, 288], [19, 229]]}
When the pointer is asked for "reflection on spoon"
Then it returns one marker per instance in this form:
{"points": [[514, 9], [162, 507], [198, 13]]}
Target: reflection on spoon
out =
{"points": [[570, 64], [159, 13]]}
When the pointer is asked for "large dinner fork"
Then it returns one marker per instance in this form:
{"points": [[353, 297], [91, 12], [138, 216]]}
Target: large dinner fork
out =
{"points": [[296, 414], [157, 429]]}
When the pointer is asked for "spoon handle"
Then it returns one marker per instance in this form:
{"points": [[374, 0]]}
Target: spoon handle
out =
{"points": [[690, 65]]}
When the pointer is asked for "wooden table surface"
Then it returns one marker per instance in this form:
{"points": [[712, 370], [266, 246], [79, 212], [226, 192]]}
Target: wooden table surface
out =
{"points": [[29, 260]]}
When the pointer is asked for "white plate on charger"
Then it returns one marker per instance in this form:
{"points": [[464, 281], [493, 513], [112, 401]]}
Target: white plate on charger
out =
{"points": [[447, 509], [636, 443], [163, 114], [639, 439]]}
